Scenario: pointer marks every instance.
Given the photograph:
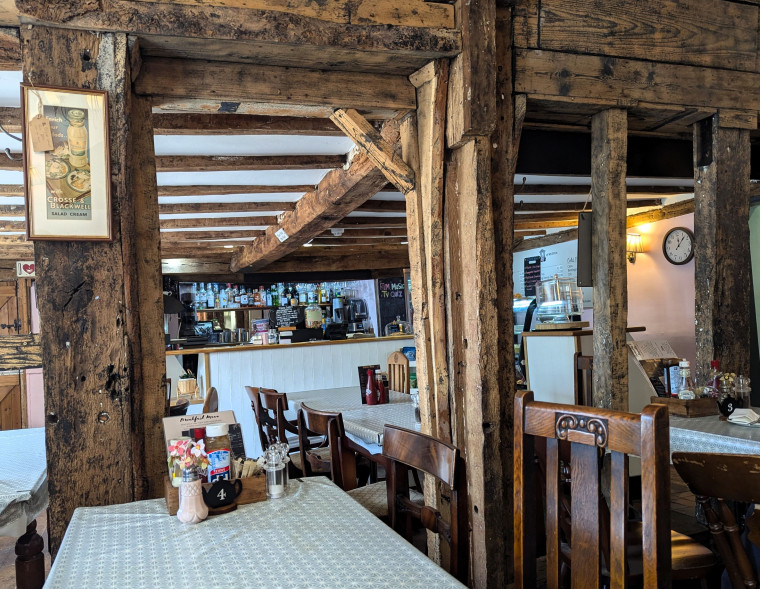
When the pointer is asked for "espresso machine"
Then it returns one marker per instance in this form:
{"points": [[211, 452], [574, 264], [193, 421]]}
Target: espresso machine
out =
{"points": [[357, 315]]}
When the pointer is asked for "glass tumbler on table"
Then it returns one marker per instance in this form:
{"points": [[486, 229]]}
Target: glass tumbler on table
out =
{"points": [[415, 395]]}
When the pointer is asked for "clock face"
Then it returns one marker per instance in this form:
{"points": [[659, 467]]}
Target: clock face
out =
{"points": [[678, 245]]}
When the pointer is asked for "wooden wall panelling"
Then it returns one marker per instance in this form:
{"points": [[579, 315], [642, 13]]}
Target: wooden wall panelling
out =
{"points": [[525, 31], [431, 83], [10, 401], [627, 82], [8, 307], [673, 31], [721, 256], [609, 141], [142, 242], [84, 304], [505, 143], [472, 80]]}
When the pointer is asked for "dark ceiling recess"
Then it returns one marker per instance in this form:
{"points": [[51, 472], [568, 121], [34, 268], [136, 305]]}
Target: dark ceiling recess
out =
{"points": [[555, 152], [336, 276]]}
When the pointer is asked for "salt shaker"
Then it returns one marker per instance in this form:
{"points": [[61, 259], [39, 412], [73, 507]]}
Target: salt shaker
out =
{"points": [[276, 472]]}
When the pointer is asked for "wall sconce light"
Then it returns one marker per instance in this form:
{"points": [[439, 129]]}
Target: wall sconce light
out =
{"points": [[633, 246]]}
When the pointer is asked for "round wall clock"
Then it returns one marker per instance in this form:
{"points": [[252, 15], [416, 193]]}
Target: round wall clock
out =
{"points": [[678, 245]]}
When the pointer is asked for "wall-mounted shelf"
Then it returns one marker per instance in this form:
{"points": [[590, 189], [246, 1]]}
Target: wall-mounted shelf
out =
{"points": [[229, 309]]}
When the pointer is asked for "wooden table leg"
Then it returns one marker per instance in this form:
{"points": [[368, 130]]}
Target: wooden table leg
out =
{"points": [[30, 560]]}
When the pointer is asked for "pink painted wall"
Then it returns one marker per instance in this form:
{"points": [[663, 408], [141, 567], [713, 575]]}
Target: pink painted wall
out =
{"points": [[660, 294], [35, 390]]}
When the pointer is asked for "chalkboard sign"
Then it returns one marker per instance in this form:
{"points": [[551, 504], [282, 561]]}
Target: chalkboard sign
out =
{"points": [[236, 441], [391, 301], [532, 268], [287, 316]]}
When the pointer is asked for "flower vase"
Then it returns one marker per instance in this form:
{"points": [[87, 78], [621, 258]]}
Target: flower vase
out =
{"points": [[192, 509]]}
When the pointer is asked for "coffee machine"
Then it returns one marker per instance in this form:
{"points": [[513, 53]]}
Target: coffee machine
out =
{"points": [[357, 315]]}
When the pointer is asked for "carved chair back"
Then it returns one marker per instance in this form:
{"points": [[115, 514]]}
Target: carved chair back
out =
{"points": [[398, 372], [264, 403], [211, 404], [726, 477], [406, 449], [314, 437], [589, 431]]}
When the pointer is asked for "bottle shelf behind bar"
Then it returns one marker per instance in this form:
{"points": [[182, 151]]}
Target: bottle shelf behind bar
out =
{"points": [[228, 309]]}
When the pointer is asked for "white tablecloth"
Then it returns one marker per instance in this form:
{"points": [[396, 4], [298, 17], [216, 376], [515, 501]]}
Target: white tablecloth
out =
{"points": [[316, 536], [710, 434], [23, 479], [340, 399], [367, 423]]}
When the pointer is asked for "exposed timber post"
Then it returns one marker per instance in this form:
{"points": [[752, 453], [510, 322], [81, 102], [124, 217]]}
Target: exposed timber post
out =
{"points": [[609, 140], [476, 402], [101, 367], [721, 255], [505, 141]]}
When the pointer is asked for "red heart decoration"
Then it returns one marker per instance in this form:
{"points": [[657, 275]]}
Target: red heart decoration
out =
{"points": [[28, 268]]}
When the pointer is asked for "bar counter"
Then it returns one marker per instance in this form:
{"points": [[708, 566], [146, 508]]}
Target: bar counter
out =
{"points": [[284, 367]]}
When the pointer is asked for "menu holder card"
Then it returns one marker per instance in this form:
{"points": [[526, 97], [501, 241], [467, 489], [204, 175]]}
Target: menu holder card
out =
{"points": [[174, 427], [363, 380]]}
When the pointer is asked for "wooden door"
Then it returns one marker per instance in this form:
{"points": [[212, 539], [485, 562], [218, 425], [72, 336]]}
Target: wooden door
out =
{"points": [[13, 316], [10, 401]]}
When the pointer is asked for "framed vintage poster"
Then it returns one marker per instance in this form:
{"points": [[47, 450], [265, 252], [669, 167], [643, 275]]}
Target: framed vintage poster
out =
{"points": [[66, 163]]}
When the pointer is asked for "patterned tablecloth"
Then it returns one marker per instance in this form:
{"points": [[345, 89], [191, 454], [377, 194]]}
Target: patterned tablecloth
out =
{"points": [[315, 537], [23, 479], [710, 434], [342, 399], [367, 423]]}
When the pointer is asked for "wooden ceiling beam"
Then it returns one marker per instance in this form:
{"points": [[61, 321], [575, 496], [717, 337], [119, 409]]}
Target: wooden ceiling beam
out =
{"points": [[9, 239], [240, 124], [677, 209], [12, 210], [221, 190], [537, 207], [252, 221], [10, 49], [167, 81], [15, 164], [10, 118], [368, 139], [364, 260], [217, 163], [11, 190], [210, 235], [220, 207], [382, 206], [193, 267], [412, 13], [339, 193], [628, 82], [556, 189], [354, 222], [12, 226], [349, 241], [239, 34], [367, 232]]}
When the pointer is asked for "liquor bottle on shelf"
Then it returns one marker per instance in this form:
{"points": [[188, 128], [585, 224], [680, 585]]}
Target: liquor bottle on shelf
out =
{"points": [[217, 298], [293, 296], [256, 298], [235, 296], [302, 296], [243, 296], [200, 298], [224, 298], [210, 297], [269, 297]]}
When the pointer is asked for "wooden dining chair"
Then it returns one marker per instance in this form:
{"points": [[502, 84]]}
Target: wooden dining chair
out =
{"points": [[589, 431], [584, 366], [398, 372], [265, 414], [715, 479], [314, 456], [407, 449], [211, 404], [574, 441]]}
